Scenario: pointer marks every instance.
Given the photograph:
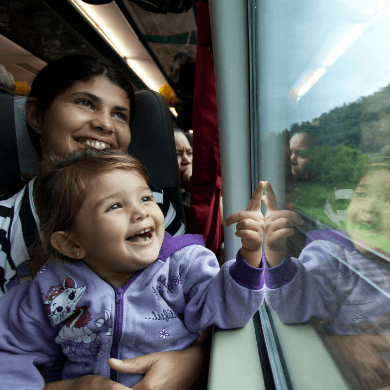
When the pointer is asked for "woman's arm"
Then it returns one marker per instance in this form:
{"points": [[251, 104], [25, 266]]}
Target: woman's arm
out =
{"points": [[184, 370]]}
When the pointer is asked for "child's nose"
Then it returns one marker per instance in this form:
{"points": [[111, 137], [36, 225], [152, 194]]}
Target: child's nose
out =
{"points": [[139, 214]]}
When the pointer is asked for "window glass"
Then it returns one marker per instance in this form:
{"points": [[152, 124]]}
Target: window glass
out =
{"points": [[321, 92]]}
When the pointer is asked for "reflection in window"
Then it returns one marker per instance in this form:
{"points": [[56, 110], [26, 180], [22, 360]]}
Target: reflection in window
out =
{"points": [[324, 135]]}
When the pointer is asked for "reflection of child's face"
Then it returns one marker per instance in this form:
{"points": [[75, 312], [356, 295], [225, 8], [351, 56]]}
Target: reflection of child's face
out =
{"points": [[368, 213]]}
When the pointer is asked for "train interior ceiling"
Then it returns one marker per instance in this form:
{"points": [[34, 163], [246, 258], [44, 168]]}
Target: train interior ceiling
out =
{"points": [[153, 44]]}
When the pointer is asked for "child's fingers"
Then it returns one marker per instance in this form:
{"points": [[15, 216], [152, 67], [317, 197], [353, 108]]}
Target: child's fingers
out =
{"points": [[281, 223], [269, 198], [255, 202], [239, 216], [279, 234], [249, 239], [287, 214], [250, 224]]}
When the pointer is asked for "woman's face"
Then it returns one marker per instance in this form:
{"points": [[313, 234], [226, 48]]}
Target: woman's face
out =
{"points": [[94, 113], [183, 151], [368, 213]]}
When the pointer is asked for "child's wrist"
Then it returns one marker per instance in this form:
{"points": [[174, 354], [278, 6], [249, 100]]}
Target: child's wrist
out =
{"points": [[275, 258], [253, 258]]}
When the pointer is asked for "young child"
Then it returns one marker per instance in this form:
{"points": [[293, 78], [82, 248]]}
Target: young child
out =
{"points": [[344, 281], [117, 285]]}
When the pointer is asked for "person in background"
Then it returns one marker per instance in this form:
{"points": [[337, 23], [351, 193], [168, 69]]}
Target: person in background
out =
{"points": [[184, 160]]}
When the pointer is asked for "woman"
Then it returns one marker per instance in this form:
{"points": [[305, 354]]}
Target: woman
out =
{"points": [[75, 102], [184, 160]]}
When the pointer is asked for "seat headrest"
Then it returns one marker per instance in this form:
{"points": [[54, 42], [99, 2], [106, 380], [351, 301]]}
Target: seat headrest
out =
{"points": [[152, 139]]}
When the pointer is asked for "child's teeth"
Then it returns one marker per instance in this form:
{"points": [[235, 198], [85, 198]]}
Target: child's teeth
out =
{"points": [[146, 238]]}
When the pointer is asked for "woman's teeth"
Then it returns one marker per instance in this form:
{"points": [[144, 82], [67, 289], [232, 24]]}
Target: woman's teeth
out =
{"points": [[94, 144]]}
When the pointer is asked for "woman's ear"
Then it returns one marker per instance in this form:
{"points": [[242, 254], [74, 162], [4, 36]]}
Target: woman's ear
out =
{"points": [[33, 116], [64, 243]]}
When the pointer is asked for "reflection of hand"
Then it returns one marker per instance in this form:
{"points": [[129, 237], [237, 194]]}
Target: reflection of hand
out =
{"points": [[278, 225], [164, 370], [186, 176], [290, 200], [359, 358], [250, 228]]}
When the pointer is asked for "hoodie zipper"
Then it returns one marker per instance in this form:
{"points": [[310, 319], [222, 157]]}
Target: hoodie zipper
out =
{"points": [[118, 323]]}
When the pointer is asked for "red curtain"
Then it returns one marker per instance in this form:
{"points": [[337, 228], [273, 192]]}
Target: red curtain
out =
{"points": [[206, 178]]}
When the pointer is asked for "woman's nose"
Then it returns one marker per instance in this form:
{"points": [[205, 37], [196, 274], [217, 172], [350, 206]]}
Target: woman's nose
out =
{"points": [[103, 121]]}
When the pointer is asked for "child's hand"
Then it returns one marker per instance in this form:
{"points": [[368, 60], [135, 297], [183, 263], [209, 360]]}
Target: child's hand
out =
{"points": [[250, 228], [278, 225]]}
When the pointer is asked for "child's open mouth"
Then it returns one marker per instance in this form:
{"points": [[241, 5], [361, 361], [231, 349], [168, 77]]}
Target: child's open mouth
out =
{"points": [[144, 235]]}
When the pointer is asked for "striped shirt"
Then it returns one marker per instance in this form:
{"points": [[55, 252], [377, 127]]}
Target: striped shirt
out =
{"points": [[19, 227]]}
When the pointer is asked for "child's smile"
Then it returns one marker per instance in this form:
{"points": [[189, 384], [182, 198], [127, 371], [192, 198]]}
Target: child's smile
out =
{"points": [[120, 227], [368, 214]]}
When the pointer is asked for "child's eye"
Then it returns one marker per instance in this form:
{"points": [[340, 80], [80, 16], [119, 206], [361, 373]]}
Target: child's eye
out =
{"points": [[114, 207], [148, 198], [360, 194]]}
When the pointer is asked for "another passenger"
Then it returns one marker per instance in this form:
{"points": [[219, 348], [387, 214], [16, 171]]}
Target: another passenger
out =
{"points": [[74, 102], [184, 160], [116, 284]]}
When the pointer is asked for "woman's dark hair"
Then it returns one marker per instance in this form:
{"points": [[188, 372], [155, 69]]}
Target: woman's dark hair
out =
{"points": [[59, 75], [60, 193]]}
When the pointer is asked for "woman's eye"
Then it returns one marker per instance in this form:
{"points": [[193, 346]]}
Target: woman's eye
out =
{"points": [[85, 102], [114, 207], [121, 115], [148, 198]]}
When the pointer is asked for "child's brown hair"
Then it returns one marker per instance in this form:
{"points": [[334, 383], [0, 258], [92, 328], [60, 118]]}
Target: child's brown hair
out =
{"points": [[60, 193]]}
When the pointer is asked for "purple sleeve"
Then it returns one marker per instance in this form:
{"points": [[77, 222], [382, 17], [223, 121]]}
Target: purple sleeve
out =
{"points": [[299, 289], [246, 275], [226, 297], [26, 338], [280, 275]]}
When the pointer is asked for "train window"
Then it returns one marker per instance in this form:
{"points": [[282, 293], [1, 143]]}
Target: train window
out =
{"points": [[320, 111]]}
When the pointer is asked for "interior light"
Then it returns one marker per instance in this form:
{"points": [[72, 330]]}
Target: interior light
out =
{"points": [[309, 81], [191, 131], [110, 22], [100, 30], [174, 112], [349, 38]]}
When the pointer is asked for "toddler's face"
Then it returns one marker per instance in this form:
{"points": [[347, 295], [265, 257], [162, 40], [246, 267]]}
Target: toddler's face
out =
{"points": [[120, 227], [368, 214]]}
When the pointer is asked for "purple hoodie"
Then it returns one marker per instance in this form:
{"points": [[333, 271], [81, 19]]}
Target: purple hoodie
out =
{"points": [[162, 308]]}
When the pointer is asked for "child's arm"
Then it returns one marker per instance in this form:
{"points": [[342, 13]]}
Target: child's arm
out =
{"points": [[250, 228], [26, 339], [278, 225]]}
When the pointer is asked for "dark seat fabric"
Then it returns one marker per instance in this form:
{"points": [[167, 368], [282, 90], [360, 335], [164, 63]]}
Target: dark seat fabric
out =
{"points": [[152, 142]]}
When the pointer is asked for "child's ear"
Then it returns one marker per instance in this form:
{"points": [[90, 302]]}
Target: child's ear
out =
{"points": [[33, 116], [64, 243]]}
